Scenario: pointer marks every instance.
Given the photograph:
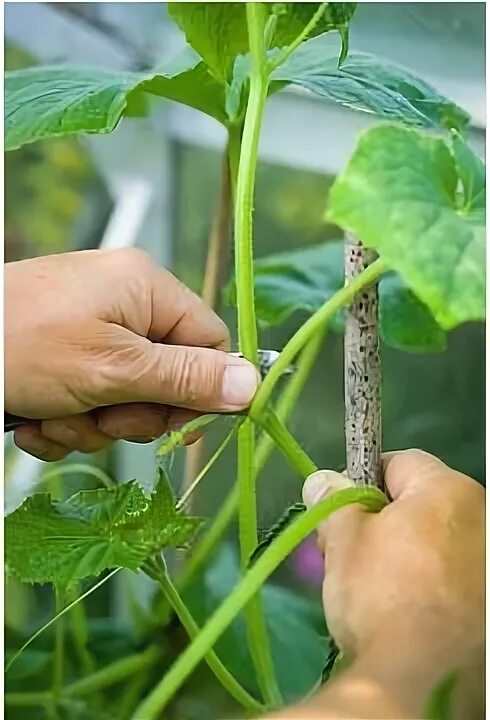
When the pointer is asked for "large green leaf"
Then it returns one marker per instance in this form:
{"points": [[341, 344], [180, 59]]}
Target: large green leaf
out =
{"points": [[62, 542], [302, 280], [399, 195], [218, 30], [299, 640], [365, 82], [52, 101]]}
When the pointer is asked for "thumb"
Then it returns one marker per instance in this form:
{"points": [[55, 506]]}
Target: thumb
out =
{"points": [[342, 523], [196, 378]]}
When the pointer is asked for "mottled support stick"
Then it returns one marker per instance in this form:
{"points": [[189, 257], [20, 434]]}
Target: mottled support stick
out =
{"points": [[216, 257], [362, 373]]}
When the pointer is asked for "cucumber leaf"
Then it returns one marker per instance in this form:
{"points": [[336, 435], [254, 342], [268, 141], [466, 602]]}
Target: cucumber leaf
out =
{"points": [[63, 542], [399, 195], [370, 84], [52, 101]]}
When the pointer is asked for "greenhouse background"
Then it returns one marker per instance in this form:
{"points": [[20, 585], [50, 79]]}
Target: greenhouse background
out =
{"points": [[154, 184]]}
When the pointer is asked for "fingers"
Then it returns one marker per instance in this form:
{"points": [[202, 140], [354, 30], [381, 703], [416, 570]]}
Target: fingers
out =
{"points": [[195, 378], [345, 523], [139, 422], [52, 440], [180, 317], [30, 439], [409, 471], [77, 432]]}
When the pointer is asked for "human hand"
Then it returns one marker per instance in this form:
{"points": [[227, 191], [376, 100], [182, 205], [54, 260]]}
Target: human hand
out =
{"points": [[404, 589], [104, 345]]}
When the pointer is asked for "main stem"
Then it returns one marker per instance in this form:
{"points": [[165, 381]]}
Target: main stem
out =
{"points": [[256, 629]]}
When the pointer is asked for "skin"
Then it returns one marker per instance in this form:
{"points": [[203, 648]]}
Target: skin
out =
{"points": [[104, 345], [404, 593]]}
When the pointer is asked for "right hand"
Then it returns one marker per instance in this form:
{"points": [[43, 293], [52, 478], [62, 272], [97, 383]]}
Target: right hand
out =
{"points": [[406, 586]]}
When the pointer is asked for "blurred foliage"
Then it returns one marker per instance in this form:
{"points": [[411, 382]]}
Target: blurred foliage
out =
{"points": [[54, 199]]}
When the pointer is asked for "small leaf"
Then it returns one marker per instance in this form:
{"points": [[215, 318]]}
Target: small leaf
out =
{"points": [[368, 83], [62, 542], [398, 194], [296, 16], [302, 280], [53, 101]]}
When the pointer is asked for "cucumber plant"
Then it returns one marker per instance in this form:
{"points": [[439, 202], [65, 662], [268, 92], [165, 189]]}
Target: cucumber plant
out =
{"points": [[411, 202]]}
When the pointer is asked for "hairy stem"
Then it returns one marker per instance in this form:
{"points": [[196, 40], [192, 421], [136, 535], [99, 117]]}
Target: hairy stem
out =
{"points": [[362, 373], [207, 544], [245, 589], [288, 445], [158, 572], [312, 326], [256, 629]]}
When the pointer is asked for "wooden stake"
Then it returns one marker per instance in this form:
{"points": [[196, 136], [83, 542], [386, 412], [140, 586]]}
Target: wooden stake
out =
{"points": [[362, 374]]}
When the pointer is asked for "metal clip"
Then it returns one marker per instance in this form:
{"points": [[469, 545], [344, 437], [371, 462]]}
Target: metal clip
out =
{"points": [[267, 358]]}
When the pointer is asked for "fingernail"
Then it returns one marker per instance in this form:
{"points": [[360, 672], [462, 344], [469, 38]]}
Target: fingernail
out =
{"points": [[322, 483], [240, 383]]}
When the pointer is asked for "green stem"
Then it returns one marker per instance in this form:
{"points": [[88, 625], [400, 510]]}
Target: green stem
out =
{"points": [[371, 498], [114, 673], [287, 443], [312, 326], [234, 142], [256, 629], [159, 573], [274, 63], [290, 395], [59, 648], [79, 631], [206, 546], [26, 699]]}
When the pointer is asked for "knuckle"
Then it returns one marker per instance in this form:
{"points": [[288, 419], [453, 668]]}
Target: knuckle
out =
{"points": [[131, 260]]}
